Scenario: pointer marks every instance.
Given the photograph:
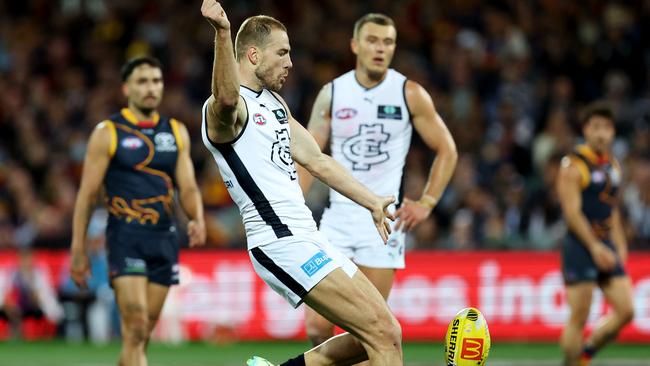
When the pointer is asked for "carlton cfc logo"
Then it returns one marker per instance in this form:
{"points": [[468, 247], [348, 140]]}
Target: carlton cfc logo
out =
{"points": [[259, 119], [365, 148]]}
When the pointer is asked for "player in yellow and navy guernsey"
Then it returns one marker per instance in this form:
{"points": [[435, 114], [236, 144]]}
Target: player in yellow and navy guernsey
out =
{"points": [[595, 249], [140, 158]]}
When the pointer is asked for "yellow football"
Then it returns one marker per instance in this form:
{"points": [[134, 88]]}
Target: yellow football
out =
{"points": [[467, 342]]}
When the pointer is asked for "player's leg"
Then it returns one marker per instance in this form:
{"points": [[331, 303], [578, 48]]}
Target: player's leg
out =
{"points": [[578, 297], [131, 296], [156, 295], [320, 329], [355, 305], [381, 278], [618, 293]]}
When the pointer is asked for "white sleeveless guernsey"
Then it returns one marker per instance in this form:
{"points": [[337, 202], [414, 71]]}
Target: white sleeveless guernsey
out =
{"points": [[371, 132], [259, 172], [370, 135]]}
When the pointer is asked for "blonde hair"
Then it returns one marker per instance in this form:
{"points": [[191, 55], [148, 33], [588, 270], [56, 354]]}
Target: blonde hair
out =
{"points": [[255, 31], [376, 18]]}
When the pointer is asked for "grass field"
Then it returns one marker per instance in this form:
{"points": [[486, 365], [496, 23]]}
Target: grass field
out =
{"points": [[200, 354]]}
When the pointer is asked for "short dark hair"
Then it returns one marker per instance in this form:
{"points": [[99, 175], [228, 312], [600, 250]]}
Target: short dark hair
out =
{"points": [[255, 31], [596, 109], [376, 18], [130, 65]]}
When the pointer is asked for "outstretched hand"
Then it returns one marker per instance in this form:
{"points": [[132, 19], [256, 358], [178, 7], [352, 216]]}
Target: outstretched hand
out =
{"points": [[380, 215]]}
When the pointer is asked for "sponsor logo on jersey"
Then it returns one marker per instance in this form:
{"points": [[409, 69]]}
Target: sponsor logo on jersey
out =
{"points": [[364, 149], [345, 113], [259, 119], [315, 263], [165, 142], [132, 143], [281, 153], [135, 265], [389, 112], [281, 116], [598, 176], [472, 349]]}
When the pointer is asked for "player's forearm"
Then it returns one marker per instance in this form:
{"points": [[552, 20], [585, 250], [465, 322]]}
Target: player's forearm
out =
{"points": [[617, 234], [192, 204], [441, 172], [305, 179], [579, 226], [330, 172], [225, 78], [80, 218]]}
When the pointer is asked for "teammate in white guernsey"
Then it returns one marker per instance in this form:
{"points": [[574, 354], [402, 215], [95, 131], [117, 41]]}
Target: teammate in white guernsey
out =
{"points": [[367, 115], [254, 140]]}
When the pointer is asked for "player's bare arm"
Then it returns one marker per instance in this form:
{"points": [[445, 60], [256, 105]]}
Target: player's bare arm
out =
{"points": [[617, 234], [98, 157], [569, 192], [225, 114], [188, 191], [436, 136], [320, 124], [305, 151]]}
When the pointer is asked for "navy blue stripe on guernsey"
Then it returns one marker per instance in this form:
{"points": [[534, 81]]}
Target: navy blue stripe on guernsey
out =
{"points": [[253, 191], [278, 272]]}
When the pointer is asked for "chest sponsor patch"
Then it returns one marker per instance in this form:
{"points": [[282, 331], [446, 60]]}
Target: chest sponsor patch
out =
{"points": [[315, 263], [281, 116], [389, 112]]}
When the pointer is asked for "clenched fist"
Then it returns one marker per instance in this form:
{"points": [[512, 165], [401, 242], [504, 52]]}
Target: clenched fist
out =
{"points": [[214, 13]]}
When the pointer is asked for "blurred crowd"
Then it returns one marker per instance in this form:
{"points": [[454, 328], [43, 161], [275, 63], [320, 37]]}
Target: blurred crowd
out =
{"points": [[508, 78]]}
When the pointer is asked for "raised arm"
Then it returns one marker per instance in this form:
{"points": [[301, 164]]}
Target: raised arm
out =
{"points": [[319, 127], [224, 111], [431, 128], [188, 191], [101, 146], [569, 185]]}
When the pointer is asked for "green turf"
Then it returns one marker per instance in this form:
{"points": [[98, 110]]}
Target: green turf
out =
{"points": [[200, 354]]}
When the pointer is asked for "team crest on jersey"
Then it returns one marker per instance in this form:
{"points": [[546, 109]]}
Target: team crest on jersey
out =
{"points": [[598, 176], [165, 142], [281, 116], [364, 149], [259, 119], [132, 143], [281, 153], [389, 112], [345, 113]]}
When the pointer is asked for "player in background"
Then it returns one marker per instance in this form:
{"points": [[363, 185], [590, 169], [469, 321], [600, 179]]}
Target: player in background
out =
{"points": [[254, 139], [595, 249], [139, 157], [367, 115]]}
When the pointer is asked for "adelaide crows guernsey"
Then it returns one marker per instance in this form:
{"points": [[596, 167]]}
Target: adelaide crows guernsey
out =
{"points": [[258, 170], [139, 181], [600, 178], [371, 132]]}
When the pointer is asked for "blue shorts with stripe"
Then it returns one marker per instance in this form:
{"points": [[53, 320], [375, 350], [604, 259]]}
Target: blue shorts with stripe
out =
{"points": [[153, 254], [579, 266]]}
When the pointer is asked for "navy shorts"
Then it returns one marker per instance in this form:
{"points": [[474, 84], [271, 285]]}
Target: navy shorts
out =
{"points": [[153, 254], [579, 266]]}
